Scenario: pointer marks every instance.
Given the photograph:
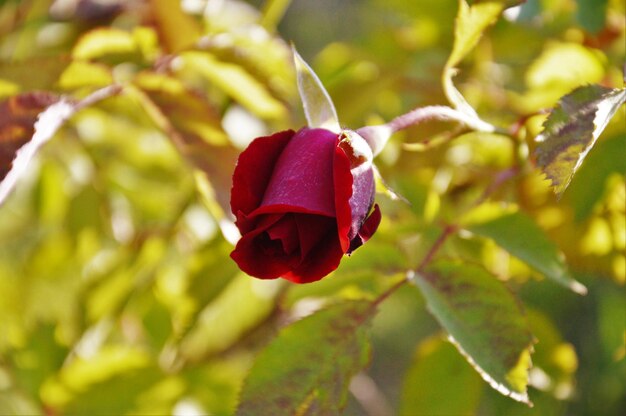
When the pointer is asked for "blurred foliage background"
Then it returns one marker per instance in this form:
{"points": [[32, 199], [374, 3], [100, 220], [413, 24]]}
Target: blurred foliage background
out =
{"points": [[117, 295]]}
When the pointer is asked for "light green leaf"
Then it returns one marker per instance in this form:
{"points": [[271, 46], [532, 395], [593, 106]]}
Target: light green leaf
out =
{"points": [[273, 11], [234, 81], [308, 367], [81, 74], [471, 22], [104, 41], [484, 321], [439, 382], [241, 306], [318, 106], [523, 238], [572, 129]]}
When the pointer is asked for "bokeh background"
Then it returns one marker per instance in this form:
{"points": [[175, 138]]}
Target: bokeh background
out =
{"points": [[117, 295]]}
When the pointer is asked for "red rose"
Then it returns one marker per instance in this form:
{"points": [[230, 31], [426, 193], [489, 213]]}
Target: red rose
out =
{"points": [[301, 201]]}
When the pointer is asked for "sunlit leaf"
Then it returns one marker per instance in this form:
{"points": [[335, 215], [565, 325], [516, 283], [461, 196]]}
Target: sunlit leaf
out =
{"points": [[102, 42], [439, 382], [234, 81], [572, 129], [484, 321], [308, 367], [201, 140], [20, 72], [267, 58], [471, 22], [187, 111], [177, 29], [318, 106], [81, 74], [523, 238], [85, 385], [239, 308], [273, 11]]}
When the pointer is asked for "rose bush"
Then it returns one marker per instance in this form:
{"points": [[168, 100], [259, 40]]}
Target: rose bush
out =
{"points": [[301, 201]]}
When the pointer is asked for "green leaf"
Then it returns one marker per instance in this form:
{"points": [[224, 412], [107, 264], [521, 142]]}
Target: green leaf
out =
{"points": [[471, 22], [588, 187], [308, 367], [439, 382], [591, 14], [523, 238], [318, 106], [572, 129], [484, 321]]}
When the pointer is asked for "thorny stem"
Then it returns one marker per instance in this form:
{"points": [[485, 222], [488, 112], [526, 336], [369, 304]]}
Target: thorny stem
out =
{"points": [[448, 230]]}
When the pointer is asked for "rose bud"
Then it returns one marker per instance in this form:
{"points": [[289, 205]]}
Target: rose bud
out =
{"points": [[301, 201]]}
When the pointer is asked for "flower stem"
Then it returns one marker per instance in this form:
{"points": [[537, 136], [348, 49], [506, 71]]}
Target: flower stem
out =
{"points": [[439, 112], [378, 135]]}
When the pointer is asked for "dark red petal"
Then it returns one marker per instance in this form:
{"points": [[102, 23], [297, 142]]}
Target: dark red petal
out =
{"points": [[254, 170], [311, 230], [370, 225], [342, 178], [322, 259], [285, 231], [303, 174], [258, 256], [368, 229]]}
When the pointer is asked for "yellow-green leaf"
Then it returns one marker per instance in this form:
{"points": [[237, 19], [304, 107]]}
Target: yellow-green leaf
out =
{"points": [[236, 82]]}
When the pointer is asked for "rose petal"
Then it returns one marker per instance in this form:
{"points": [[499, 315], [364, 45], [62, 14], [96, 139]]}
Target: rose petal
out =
{"points": [[285, 231], [369, 227], [321, 259], [312, 229], [303, 175], [257, 255], [342, 180], [253, 172]]}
